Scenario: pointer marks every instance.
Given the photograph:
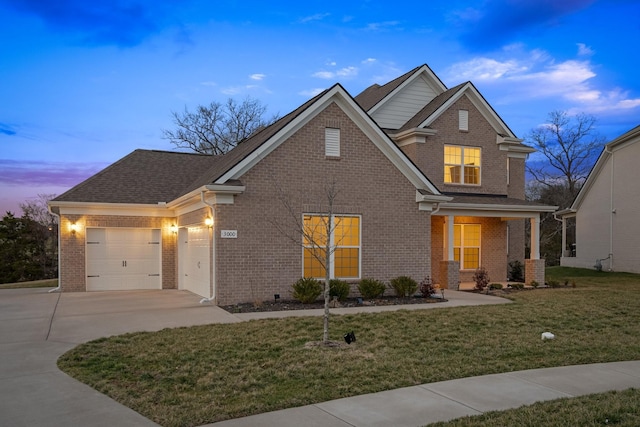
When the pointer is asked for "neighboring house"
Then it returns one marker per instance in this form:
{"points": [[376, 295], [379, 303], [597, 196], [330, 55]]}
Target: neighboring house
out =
{"points": [[430, 180], [606, 209]]}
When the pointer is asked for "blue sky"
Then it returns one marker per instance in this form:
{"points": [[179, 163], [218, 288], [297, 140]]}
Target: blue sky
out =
{"points": [[84, 83]]}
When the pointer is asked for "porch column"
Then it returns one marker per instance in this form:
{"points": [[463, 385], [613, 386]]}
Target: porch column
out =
{"points": [[564, 238], [534, 266], [449, 268]]}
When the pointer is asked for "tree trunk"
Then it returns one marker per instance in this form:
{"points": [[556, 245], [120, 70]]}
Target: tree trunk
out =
{"points": [[327, 286]]}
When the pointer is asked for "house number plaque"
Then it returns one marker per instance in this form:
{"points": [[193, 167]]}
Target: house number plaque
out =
{"points": [[229, 234]]}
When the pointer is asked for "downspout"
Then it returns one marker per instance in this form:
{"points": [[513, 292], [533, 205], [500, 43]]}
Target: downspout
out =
{"points": [[213, 260], [612, 211], [437, 209], [59, 288]]}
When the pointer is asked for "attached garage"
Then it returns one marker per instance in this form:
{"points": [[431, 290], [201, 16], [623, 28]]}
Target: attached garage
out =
{"points": [[194, 256], [123, 259]]}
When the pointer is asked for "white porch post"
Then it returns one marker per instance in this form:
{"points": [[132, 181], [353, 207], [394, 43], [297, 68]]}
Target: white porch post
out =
{"points": [[535, 237], [449, 238], [564, 237]]}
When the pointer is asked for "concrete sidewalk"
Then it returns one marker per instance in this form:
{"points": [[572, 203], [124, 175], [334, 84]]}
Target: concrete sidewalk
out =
{"points": [[36, 327], [447, 400]]}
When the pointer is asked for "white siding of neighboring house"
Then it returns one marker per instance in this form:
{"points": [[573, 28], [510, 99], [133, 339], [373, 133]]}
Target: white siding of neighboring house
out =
{"points": [[397, 111], [601, 231]]}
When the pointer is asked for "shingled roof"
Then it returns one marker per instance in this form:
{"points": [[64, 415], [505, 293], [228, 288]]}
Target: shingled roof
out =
{"points": [[375, 93], [142, 177]]}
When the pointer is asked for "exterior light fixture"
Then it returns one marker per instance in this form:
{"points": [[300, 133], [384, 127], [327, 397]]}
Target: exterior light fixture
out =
{"points": [[208, 222], [276, 297], [174, 229], [74, 227]]}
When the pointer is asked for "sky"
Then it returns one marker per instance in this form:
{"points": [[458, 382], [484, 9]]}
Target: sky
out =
{"points": [[84, 83]]}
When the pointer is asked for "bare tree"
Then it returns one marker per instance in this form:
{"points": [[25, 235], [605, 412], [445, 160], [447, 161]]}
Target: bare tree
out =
{"points": [[217, 128], [570, 145], [314, 233]]}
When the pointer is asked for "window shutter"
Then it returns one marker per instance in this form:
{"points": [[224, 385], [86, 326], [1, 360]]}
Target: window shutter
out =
{"points": [[332, 142], [463, 120]]}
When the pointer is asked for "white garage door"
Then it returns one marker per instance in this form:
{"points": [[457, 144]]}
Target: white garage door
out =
{"points": [[123, 259], [194, 260]]}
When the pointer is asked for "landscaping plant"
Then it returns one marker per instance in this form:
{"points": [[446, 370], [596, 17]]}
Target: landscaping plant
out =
{"points": [[404, 286], [339, 289], [307, 290], [371, 288], [481, 277]]}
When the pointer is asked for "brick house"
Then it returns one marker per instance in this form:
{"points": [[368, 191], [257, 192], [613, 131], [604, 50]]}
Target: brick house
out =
{"points": [[430, 182]]}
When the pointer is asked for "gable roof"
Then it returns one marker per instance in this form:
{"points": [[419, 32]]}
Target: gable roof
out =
{"points": [[281, 130], [141, 177], [375, 95], [630, 137]]}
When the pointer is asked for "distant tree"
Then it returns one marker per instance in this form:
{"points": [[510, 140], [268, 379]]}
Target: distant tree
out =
{"points": [[18, 249], [217, 128], [570, 145], [43, 233]]}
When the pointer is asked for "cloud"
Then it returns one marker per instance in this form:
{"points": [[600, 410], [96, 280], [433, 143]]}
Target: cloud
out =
{"points": [[537, 75], [6, 130], [382, 26], [584, 50], [498, 21], [316, 17], [257, 76], [119, 23], [311, 92], [16, 172], [345, 72]]}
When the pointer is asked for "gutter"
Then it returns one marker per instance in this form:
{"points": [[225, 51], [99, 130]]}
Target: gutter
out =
{"points": [[59, 288]]}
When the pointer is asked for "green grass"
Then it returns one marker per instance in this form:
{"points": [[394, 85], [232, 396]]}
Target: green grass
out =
{"points": [[203, 374], [619, 408], [48, 283]]}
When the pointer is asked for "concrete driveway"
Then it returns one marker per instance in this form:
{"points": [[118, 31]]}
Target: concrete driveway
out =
{"points": [[36, 327]]}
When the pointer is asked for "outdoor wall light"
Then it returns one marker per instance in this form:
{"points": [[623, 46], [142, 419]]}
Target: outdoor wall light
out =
{"points": [[276, 297], [174, 229], [74, 227], [208, 222]]}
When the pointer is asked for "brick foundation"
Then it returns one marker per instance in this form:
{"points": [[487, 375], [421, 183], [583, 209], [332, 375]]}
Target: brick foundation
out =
{"points": [[534, 270], [450, 275]]}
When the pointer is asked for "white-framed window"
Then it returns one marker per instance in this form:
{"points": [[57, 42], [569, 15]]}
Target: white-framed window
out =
{"points": [[332, 142], [344, 238], [466, 245], [462, 165], [463, 120]]}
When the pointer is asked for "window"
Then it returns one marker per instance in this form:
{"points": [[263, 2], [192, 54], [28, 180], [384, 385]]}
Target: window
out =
{"points": [[332, 142], [345, 238], [463, 120], [466, 245], [461, 165]]}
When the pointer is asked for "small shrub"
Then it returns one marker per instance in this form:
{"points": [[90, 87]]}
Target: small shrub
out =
{"points": [[404, 286], [427, 288], [481, 277], [516, 271], [534, 284], [371, 288], [307, 290], [495, 286], [521, 285], [554, 283], [339, 289]]}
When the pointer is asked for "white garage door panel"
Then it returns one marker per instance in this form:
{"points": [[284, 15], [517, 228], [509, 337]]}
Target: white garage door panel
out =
{"points": [[123, 259]]}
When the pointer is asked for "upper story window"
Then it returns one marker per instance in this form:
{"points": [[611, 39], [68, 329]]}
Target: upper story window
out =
{"points": [[461, 165]]}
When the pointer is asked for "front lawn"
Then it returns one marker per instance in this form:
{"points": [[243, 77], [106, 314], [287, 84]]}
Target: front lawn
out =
{"points": [[192, 376], [47, 283]]}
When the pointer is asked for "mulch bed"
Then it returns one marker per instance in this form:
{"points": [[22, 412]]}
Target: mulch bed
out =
{"points": [[287, 305]]}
